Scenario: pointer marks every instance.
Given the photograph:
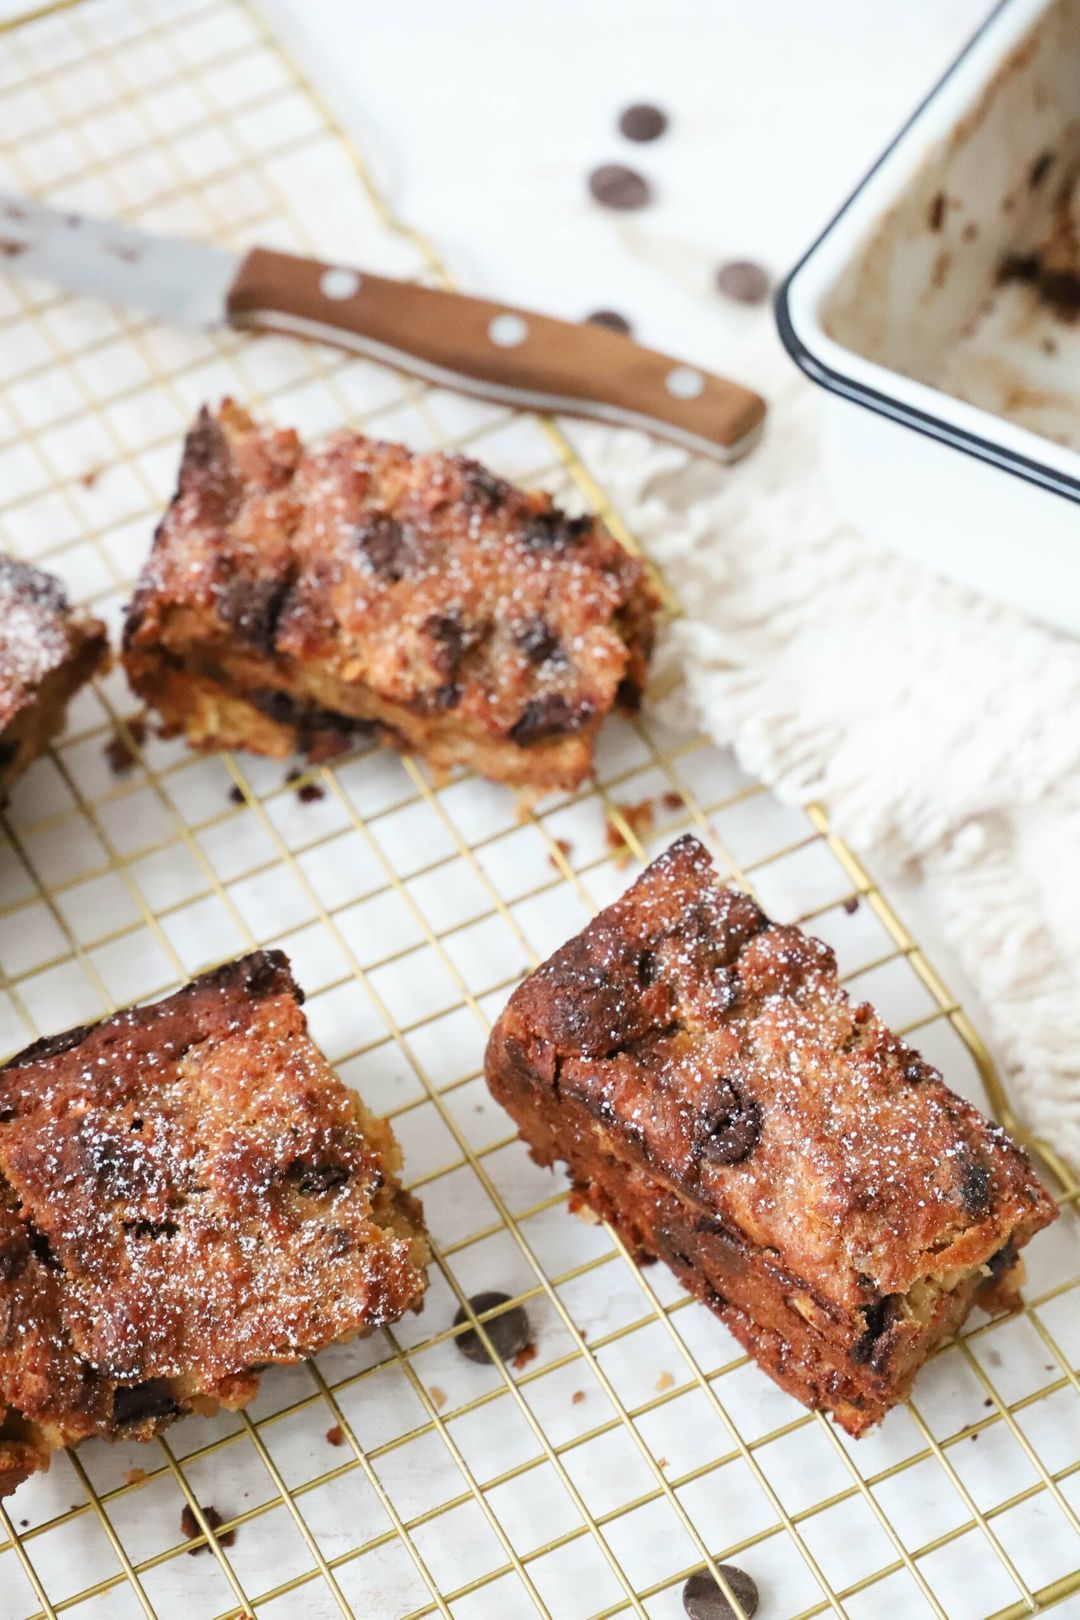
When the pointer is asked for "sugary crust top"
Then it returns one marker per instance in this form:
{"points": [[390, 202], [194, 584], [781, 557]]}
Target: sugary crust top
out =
{"points": [[38, 632], [723, 1053], [199, 1187], [423, 577]]}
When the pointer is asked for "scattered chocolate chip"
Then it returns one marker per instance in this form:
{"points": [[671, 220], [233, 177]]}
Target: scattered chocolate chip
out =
{"points": [[672, 801], [509, 1332], [119, 752], [703, 1599], [643, 122], [936, 217], [1040, 169], [236, 794], [744, 281], [851, 904], [611, 319], [613, 185], [191, 1528], [735, 1135], [310, 792], [336, 1436], [11, 249], [1018, 267], [90, 477], [126, 252]]}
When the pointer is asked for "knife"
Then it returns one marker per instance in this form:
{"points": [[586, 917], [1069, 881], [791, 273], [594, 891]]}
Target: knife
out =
{"points": [[509, 355]]}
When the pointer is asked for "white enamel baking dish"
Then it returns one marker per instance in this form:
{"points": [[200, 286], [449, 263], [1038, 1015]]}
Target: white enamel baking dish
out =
{"points": [[952, 422]]}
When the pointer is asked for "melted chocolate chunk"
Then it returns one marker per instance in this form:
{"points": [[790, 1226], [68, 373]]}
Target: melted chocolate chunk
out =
{"points": [[1003, 1260], [151, 1402], [1040, 169], [315, 1179], [734, 1135], [550, 715], [537, 640], [879, 1317], [936, 217], [703, 1599], [975, 1187], [555, 529], [252, 608], [451, 640], [509, 1332], [483, 488], [386, 548]]}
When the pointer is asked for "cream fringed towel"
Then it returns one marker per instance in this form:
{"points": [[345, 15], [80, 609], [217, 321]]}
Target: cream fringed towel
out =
{"points": [[941, 732]]}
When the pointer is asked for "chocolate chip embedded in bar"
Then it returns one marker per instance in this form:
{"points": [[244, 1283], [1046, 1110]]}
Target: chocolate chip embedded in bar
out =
{"points": [[296, 600], [720, 1100]]}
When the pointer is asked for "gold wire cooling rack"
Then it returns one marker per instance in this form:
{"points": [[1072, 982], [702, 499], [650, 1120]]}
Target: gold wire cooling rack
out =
{"points": [[395, 1479]]}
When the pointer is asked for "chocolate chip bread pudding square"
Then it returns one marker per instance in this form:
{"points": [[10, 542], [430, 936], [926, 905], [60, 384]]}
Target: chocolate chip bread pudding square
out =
{"points": [[720, 1100], [295, 600], [47, 651], [187, 1194]]}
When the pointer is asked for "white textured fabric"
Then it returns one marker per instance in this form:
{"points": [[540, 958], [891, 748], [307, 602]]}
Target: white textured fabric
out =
{"points": [[940, 731]]}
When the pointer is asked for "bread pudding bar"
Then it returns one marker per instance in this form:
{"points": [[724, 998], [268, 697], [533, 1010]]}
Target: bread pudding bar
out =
{"points": [[47, 651], [804, 1172], [295, 600], [187, 1193]]}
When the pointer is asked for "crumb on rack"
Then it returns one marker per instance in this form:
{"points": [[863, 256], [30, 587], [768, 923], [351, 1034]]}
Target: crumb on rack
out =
{"points": [[136, 1476], [437, 1397], [336, 1435], [851, 904], [523, 1357], [90, 477], [673, 801], [119, 752], [236, 794], [665, 1380], [638, 817], [577, 1397], [191, 1528], [662, 1462], [565, 847]]}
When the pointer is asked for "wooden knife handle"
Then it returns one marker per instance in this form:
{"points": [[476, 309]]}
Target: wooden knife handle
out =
{"points": [[509, 355]]}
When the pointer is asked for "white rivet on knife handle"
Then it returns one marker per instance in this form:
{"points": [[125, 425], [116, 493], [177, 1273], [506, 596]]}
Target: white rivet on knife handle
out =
{"points": [[683, 382], [339, 284], [507, 331]]}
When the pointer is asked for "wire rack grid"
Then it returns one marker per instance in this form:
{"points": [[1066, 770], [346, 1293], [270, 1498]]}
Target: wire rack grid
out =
{"points": [[393, 1478]]}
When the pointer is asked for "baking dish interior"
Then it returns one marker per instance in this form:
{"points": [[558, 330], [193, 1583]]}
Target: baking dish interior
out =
{"points": [[969, 282]]}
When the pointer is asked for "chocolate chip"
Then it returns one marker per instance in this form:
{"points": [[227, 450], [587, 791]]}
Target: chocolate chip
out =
{"points": [[151, 1402], [537, 640], [385, 547], [704, 1600], [613, 185], [119, 752], [611, 319], [643, 122], [480, 487], [1003, 1260], [549, 716], [734, 1135], [313, 1179], [744, 281], [936, 217], [192, 1529], [851, 904], [975, 1187], [236, 794], [509, 1332], [11, 249], [554, 529], [448, 634], [310, 792], [253, 608], [648, 968], [1040, 169], [448, 696]]}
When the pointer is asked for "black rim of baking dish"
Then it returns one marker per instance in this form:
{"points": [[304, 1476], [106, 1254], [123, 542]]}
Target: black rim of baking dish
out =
{"points": [[926, 422]]}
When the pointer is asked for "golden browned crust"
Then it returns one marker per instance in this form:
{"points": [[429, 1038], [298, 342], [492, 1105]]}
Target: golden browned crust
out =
{"points": [[294, 600], [187, 1193], [47, 651], [805, 1172]]}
